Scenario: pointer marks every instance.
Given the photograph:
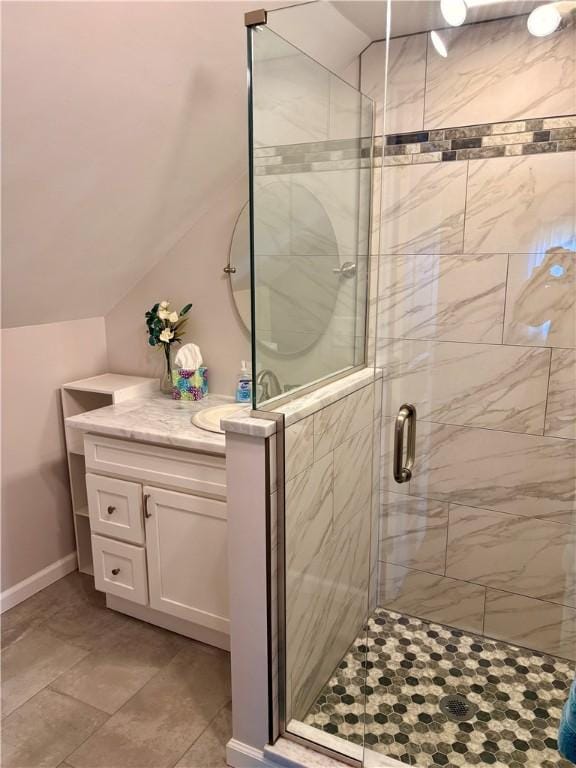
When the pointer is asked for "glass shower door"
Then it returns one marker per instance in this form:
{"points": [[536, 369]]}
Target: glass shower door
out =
{"points": [[473, 643]]}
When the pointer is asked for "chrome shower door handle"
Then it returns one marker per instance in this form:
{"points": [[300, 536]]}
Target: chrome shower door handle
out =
{"points": [[403, 471], [348, 269]]}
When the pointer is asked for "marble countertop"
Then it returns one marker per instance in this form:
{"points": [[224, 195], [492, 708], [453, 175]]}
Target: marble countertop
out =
{"points": [[154, 419]]}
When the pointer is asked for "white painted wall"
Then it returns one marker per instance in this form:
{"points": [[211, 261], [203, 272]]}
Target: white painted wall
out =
{"points": [[190, 271], [36, 518]]}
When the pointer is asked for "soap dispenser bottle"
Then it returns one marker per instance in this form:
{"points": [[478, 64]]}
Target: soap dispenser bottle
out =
{"points": [[244, 384]]}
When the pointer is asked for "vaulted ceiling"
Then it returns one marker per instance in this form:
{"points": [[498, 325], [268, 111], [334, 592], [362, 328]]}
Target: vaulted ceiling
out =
{"points": [[122, 123]]}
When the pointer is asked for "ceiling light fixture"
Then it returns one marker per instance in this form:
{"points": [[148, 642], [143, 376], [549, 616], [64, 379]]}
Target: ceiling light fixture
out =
{"points": [[480, 3], [544, 20], [438, 44], [454, 11]]}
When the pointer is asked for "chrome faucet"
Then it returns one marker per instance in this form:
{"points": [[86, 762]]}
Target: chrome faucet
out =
{"points": [[268, 380]]}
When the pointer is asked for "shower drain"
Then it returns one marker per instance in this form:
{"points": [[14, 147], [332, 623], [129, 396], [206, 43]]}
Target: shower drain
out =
{"points": [[457, 708]]}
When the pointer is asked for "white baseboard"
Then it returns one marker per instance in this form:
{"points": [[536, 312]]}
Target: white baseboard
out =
{"points": [[240, 755], [28, 587]]}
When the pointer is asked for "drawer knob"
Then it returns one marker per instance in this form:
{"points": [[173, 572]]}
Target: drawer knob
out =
{"points": [[115, 571], [111, 510]]}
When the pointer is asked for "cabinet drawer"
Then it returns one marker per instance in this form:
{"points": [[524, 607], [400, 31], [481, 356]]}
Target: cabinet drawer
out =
{"points": [[115, 508], [120, 569], [199, 473]]}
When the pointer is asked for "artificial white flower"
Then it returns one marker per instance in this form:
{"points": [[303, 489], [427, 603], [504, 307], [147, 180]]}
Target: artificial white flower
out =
{"points": [[166, 335], [163, 314], [173, 317], [164, 304]]}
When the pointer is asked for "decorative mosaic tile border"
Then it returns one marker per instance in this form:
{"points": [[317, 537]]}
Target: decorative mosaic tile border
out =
{"points": [[519, 137], [336, 155]]}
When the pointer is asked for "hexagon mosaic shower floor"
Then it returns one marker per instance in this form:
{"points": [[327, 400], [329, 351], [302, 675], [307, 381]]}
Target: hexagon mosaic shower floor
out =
{"points": [[387, 690]]}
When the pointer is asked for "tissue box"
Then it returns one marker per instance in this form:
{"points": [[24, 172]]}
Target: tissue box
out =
{"points": [[189, 384]]}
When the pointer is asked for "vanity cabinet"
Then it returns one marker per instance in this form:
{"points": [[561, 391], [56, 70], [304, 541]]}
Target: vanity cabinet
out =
{"points": [[150, 516], [159, 533]]}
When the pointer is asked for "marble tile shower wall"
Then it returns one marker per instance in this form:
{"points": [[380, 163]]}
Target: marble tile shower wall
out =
{"points": [[329, 520], [476, 326]]}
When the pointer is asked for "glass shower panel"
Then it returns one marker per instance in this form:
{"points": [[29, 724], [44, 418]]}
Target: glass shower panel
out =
{"points": [[311, 146], [311, 143]]}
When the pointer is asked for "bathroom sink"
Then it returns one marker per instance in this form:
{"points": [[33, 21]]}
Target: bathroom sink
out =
{"points": [[209, 418]]}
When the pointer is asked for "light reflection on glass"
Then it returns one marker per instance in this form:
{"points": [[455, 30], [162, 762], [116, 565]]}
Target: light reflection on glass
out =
{"points": [[542, 303], [561, 236], [539, 333]]}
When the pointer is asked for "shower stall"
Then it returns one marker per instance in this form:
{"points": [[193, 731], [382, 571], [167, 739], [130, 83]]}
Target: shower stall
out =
{"points": [[412, 291]]}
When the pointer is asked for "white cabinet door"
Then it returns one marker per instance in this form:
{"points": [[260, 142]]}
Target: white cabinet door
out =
{"points": [[186, 549]]}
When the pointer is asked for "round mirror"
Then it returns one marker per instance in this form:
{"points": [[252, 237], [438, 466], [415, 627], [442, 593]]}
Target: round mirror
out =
{"points": [[297, 267]]}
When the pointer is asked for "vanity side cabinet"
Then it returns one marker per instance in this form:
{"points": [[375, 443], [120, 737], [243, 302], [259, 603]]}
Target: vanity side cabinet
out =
{"points": [[187, 556], [78, 397]]}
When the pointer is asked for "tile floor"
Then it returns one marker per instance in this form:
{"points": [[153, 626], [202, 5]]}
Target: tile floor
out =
{"points": [[85, 687], [387, 690]]}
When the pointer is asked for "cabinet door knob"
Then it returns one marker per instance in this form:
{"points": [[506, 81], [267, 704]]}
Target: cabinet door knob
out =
{"points": [[111, 510], [115, 571]]}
